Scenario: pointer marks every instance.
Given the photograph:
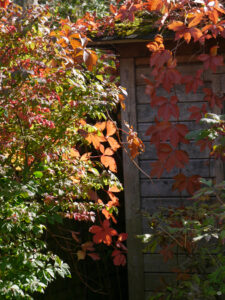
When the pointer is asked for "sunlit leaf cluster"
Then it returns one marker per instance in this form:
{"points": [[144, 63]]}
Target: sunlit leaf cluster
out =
{"points": [[57, 146]]}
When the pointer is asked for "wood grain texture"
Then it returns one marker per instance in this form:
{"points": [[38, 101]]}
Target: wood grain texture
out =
{"points": [[142, 127], [154, 263], [187, 69], [151, 205], [145, 113], [143, 98], [194, 167], [132, 190], [192, 149], [154, 281], [159, 188]]}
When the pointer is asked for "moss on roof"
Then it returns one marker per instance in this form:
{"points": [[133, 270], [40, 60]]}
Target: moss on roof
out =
{"points": [[143, 27]]}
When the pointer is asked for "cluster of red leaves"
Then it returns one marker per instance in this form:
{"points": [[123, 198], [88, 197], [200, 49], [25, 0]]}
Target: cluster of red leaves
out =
{"points": [[191, 21], [77, 43], [165, 74], [189, 183], [4, 3], [98, 138], [104, 234], [35, 104]]}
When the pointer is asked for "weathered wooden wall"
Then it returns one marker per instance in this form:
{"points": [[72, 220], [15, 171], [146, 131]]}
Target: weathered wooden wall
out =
{"points": [[146, 270]]}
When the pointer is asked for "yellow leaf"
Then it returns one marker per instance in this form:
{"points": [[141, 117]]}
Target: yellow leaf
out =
{"points": [[81, 255]]}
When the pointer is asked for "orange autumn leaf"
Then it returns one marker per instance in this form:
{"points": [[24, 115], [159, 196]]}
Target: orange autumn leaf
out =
{"points": [[114, 200], [113, 143], [154, 5], [74, 153], [92, 60], [135, 144], [110, 128], [122, 100], [75, 44], [196, 19], [102, 148], [85, 156], [214, 50], [96, 139], [108, 215], [213, 15], [157, 45], [176, 26], [103, 234], [184, 32], [100, 125], [113, 9], [109, 162], [108, 151], [159, 39], [114, 189]]}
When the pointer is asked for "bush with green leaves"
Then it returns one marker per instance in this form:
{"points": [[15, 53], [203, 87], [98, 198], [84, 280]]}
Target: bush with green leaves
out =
{"points": [[57, 145]]}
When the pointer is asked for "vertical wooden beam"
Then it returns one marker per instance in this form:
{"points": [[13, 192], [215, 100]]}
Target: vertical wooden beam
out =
{"points": [[132, 189]]}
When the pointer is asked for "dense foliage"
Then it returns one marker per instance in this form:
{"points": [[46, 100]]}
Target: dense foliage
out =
{"points": [[197, 232], [58, 140], [57, 146], [76, 8]]}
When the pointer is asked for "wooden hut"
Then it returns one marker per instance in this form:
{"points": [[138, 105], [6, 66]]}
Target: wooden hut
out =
{"points": [[144, 269]]}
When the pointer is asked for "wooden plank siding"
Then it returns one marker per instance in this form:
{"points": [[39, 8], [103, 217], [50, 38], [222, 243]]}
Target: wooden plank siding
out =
{"points": [[146, 271], [159, 193]]}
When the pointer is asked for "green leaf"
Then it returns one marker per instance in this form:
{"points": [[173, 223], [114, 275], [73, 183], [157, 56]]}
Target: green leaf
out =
{"points": [[222, 234], [197, 134], [99, 77], [38, 174]]}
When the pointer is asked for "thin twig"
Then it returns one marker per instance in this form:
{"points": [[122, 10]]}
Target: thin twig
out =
{"points": [[173, 238]]}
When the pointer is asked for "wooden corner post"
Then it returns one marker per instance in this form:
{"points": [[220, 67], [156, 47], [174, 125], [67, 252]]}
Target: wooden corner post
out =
{"points": [[132, 189]]}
